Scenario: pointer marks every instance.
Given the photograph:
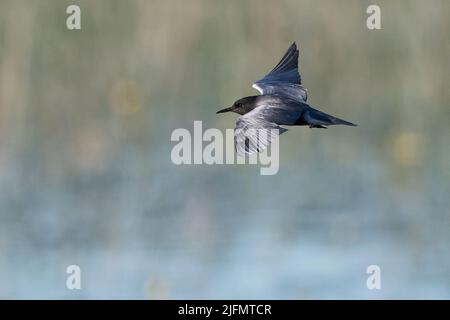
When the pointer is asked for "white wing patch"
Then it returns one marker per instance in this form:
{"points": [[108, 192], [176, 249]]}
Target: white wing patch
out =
{"points": [[255, 86]]}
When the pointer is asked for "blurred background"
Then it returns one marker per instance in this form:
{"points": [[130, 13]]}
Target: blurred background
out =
{"points": [[86, 176]]}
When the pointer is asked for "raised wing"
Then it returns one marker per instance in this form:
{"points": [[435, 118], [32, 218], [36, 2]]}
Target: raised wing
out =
{"points": [[284, 78], [258, 128]]}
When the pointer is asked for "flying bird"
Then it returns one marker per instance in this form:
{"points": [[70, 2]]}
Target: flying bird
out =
{"points": [[282, 103]]}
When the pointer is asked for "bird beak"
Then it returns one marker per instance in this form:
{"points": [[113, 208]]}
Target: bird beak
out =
{"points": [[224, 110]]}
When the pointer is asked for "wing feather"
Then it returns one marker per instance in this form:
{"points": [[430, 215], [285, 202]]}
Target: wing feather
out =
{"points": [[284, 78], [256, 129]]}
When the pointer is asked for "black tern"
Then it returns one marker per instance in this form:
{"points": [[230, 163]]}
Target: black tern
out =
{"points": [[282, 102]]}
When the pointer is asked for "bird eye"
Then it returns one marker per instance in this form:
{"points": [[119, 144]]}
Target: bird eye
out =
{"points": [[238, 105]]}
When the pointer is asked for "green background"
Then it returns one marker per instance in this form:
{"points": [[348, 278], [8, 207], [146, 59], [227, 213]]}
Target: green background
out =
{"points": [[86, 176]]}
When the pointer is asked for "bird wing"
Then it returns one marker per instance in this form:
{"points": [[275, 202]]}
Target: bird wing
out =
{"points": [[284, 78], [258, 128]]}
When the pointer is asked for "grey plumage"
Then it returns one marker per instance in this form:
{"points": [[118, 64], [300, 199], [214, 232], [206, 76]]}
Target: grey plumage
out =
{"points": [[282, 102]]}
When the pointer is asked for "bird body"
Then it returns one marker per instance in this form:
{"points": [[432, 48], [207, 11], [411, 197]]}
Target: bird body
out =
{"points": [[282, 102]]}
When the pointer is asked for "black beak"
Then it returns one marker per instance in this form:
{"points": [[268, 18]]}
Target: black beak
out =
{"points": [[224, 110]]}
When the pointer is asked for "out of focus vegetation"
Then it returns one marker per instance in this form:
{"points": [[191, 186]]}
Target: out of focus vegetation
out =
{"points": [[86, 176]]}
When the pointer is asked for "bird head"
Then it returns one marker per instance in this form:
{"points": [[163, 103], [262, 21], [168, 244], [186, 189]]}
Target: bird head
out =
{"points": [[241, 106]]}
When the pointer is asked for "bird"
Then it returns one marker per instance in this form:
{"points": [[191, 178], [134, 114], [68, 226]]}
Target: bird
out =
{"points": [[282, 102]]}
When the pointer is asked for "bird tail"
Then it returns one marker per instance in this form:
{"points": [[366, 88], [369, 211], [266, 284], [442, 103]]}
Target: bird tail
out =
{"points": [[318, 118]]}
